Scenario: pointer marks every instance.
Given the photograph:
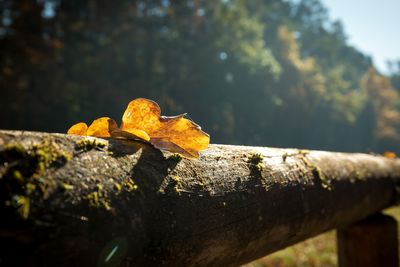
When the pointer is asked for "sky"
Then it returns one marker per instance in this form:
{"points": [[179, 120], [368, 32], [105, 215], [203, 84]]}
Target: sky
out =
{"points": [[372, 26]]}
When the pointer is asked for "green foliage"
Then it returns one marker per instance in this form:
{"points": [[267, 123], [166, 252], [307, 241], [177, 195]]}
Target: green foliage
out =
{"points": [[256, 72], [235, 22]]}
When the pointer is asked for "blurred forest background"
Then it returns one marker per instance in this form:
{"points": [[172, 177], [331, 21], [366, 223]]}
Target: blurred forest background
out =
{"points": [[261, 72]]}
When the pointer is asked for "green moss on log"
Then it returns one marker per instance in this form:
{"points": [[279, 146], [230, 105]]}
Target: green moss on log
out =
{"points": [[255, 163], [316, 171], [23, 173], [175, 157], [89, 144]]}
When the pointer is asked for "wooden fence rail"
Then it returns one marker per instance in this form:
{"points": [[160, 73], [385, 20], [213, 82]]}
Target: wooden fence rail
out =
{"points": [[82, 201]]}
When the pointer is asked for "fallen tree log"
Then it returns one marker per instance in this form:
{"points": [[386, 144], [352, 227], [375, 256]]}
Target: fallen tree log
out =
{"points": [[83, 201]]}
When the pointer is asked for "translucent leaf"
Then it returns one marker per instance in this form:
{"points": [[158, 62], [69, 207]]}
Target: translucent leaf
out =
{"points": [[130, 134], [176, 134], [389, 155], [102, 127], [78, 129], [142, 120]]}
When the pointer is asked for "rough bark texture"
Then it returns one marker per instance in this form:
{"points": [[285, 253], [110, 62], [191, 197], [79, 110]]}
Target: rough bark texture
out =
{"points": [[80, 201]]}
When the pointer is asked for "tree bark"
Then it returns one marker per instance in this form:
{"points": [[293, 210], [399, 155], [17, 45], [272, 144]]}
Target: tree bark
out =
{"points": [[83, 201]]}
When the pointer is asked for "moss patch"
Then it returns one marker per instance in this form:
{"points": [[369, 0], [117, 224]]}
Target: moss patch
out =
{"points": [[22, 171], [317, 172], [175, 157], [88, 144], [101, 198], [176, 180], [129, 185], [255, 163], [98, 198], [66, 187], [174, 185]]}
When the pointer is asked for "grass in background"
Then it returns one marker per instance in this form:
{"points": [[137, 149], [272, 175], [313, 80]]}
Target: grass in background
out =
{"points": [[319, 251]]}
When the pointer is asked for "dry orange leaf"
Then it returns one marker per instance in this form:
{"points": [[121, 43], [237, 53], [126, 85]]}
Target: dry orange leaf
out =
{"points": [[389, 155], [142, 120], [102, 127], [78, 129]]}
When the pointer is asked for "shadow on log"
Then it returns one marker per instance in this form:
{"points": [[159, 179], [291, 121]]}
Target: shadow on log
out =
{"points": [[82, 201]]}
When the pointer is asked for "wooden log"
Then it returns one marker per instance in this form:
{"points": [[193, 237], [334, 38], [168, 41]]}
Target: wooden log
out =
{"points": [[370, 242], [81, 201]]}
